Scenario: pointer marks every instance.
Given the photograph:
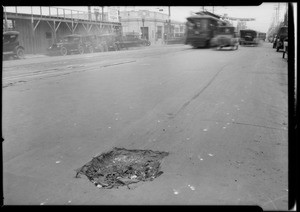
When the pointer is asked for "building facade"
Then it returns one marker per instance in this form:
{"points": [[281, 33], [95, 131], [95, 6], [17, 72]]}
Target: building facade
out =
{"points": [[153, 26], [39, 27]]}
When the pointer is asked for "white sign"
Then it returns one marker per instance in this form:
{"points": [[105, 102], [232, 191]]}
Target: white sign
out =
{"points": [[113, 14]]}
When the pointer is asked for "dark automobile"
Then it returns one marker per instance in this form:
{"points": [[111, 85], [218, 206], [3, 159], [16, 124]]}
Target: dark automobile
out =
{"points": [[106, 42], [225, 36], [274, 41], [71, 44], [11, 45], [135, 40], [285, 47], [262, 36], [248, 36], [281, 36]]}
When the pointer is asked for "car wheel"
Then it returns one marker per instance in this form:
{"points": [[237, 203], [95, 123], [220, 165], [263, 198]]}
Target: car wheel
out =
{"points": [[115, 47], [105, 48], [91, 49], [80, 50], [20, 53], [101, 48], [63, 51]]}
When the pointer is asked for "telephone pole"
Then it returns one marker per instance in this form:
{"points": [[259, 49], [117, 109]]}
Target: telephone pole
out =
{"points": [[169, 10], [102, 13], [89, 13]]}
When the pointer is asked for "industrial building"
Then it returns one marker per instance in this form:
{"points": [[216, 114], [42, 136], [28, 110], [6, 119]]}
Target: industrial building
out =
{"points": [[153, 26], [39, 27]]}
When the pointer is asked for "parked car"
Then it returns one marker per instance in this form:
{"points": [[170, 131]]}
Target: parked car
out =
{"points": [[175, 40], [248, 36], [262, 36], [225, 36], [11, 45], [107, 42], [135, 40], [281, 36], [285, 47], [274, 41], [71, 44]]}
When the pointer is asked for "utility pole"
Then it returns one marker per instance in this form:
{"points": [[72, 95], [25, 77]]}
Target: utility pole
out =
{"points": [[169, 11], [276, 15], [102, 13], [286, 14], [5, 19], [89, 13], [278, 10]]}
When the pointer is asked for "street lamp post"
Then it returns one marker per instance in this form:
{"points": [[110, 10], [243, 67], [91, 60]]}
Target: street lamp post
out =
{"points": [[102, 14], [169, 23], [89, 13], [143, 29], [5, 19]]}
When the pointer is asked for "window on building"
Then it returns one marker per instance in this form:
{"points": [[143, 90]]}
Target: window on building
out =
{"points": [[159, 32], [48, 35], [10, 24]]}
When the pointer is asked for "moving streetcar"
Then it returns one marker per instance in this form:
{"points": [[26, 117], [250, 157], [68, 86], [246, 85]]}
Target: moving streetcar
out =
{"points": [[200, 29]]}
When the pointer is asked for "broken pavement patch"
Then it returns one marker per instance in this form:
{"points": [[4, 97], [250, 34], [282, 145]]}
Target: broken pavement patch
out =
{"points": [[120, 167]]}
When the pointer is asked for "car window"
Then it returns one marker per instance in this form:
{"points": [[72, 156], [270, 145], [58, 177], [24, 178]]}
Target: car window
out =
{"points": [[248, 33], [76, 39], [9, 38], [201, 24], [224, 30], [6, 38]]}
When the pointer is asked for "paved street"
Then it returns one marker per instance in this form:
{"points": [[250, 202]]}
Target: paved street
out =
{"points": [[222, 116]]}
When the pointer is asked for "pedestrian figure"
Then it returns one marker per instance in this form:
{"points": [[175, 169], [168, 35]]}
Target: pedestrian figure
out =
{"points": [[165, 38]]}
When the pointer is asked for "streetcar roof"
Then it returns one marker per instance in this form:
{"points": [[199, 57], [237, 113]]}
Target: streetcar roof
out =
{"points": [[11, 33], [202, 17], [248, 30], [226, 27]]}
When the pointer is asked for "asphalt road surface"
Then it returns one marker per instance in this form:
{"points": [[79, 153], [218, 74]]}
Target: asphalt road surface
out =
{"points": [[222, 116]]}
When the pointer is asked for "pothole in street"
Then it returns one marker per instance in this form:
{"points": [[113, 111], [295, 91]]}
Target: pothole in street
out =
{"points": [[122, 167]]}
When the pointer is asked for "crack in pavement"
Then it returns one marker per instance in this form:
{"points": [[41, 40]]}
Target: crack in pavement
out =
{"points": [[198, 94]]}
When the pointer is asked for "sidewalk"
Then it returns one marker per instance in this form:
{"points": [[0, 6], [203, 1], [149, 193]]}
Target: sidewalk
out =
{"points": [[31, 56]]}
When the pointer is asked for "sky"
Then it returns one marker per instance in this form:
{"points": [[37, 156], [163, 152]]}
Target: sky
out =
{"points": [[263, 13]]}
